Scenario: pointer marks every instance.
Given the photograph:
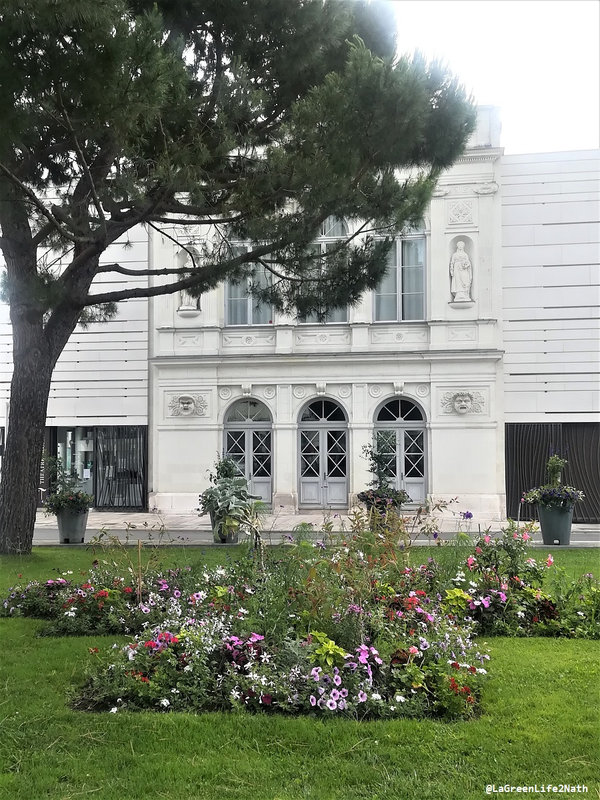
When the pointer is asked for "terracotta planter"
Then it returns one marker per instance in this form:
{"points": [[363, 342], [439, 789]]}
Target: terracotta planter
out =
{"points": [[71, 526]]}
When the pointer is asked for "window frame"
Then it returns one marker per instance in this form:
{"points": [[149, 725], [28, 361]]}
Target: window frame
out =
{"points": [[322, 242], [400, 293], [252, 303]]}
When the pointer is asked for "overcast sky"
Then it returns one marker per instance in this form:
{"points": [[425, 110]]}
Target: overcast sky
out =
{"points": [[538, 60]]}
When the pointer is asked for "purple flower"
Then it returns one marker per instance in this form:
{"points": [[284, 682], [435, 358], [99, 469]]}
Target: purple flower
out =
{"points": [[334, 694], [362, 697], [313, 700], [466, 515], [331, 704], [176, 593], [343, 692], [342, 704]]}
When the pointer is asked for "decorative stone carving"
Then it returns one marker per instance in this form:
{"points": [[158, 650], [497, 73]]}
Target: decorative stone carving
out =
{"points": [[299, 392], [269, 392], [321, 388], [224, 393], [189, 340], [440, 191], [375, 391], [461, 274], [344, 391], [422, 390], [322, 338], [463, 402], [187, 405], [486, 188], [460, 212], [246, 389], [398, 387], [462, 334]]}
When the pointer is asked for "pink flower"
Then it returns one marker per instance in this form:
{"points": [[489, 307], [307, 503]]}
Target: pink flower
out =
{"points": [[470, 562], [526, 536], [549, 560], [487, 539], [413, 650], [478, 550]]}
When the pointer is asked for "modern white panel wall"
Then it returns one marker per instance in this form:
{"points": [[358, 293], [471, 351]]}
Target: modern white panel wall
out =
{"points": [[551, 286], [102, 376]]}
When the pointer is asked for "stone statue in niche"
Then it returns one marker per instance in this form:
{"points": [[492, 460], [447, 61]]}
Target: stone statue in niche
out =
{"points": [[187, 405], [187, 302], [461, 274], [463, 403]]}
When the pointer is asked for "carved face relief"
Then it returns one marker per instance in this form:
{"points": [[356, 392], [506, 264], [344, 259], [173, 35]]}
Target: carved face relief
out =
{"points": [[187, 405], [462, 403]]}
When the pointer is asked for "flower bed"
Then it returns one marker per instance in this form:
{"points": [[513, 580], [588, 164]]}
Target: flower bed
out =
{"points": [[344, 627]]}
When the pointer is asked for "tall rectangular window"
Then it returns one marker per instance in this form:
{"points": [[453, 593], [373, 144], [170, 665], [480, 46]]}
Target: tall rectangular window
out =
{"points": [[332, 231], [400, 295], [242, 307]]}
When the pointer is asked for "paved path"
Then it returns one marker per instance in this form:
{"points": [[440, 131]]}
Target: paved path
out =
{"points": [[191, 529]]}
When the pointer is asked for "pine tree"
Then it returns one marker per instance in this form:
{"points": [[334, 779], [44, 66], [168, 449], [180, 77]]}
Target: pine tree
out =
{"points": [[261, 118]]}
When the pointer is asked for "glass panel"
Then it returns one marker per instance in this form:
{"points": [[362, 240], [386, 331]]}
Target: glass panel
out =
{"points": [[385, 442], [413, 307], [413, 252], [332, 411], [414, 459], [248, 411], [334, 227], [409, 410], [262, 314], [235, 448], [336, 454], [237, 304], [412, 280], [386, 294], [312, 412], [261, 448], [309, 454], [390, 411]]}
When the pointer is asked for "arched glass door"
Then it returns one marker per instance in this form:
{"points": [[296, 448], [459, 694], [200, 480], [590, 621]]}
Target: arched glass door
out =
{"points": [[323, 450], [248, 441], [400, 435]]}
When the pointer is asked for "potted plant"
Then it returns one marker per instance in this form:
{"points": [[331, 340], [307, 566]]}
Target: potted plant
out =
{"points": [[227, 501], [68, 502], [381, 495], [555, 503]]}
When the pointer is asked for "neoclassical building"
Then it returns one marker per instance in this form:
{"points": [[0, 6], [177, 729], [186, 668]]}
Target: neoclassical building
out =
{"points": [[474, 358], [416, 367]]}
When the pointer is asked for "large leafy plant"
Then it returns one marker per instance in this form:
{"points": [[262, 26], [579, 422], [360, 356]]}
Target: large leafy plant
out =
{"points": [[66, 493], [554, 494]]}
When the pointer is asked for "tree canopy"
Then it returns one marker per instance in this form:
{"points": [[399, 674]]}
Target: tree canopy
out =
{"points": [[259, 119]]}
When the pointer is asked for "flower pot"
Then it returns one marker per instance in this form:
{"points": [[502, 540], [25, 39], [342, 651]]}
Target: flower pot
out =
{"points": [[555, 524], [71, 526]]}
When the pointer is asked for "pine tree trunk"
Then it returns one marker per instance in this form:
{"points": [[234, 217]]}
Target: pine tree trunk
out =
{"points": [[19, 484]]}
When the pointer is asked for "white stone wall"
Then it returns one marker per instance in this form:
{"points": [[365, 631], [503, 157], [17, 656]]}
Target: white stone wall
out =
{"points": [[551, 286]]}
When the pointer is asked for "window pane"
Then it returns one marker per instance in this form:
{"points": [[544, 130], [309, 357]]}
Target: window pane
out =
{"points": [[237, 304], [385, 307], [413, 251], [413, 306]]}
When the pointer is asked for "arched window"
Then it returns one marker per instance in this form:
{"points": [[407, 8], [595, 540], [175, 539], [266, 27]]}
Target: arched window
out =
{"points": [[400, 435]]}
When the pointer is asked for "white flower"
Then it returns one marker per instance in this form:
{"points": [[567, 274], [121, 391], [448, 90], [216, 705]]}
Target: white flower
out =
{"points": [[174, 691], [400, 698], [165, 703], [580, 614], [70, 613], [114, 710], [375, 696]]}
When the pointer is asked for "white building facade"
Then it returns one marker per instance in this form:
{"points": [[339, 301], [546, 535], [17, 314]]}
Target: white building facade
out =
{"points": [[416, 366], [475, 358]]}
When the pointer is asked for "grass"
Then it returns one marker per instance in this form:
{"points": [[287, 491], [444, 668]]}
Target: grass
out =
{"points": [[540, 724]]}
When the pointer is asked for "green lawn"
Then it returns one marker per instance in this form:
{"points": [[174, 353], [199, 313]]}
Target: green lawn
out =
{"points": [[540, 724]]}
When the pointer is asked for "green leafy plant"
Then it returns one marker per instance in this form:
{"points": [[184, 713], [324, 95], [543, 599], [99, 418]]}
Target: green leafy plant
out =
{"points": [[381, 495], [554, 494], [65, 494]]}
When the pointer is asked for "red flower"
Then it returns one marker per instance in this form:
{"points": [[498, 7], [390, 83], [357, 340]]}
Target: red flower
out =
{"points": [[266, 699], [128, 590], [455, 664], [102, 593], [93, 649], [472, 669]]}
